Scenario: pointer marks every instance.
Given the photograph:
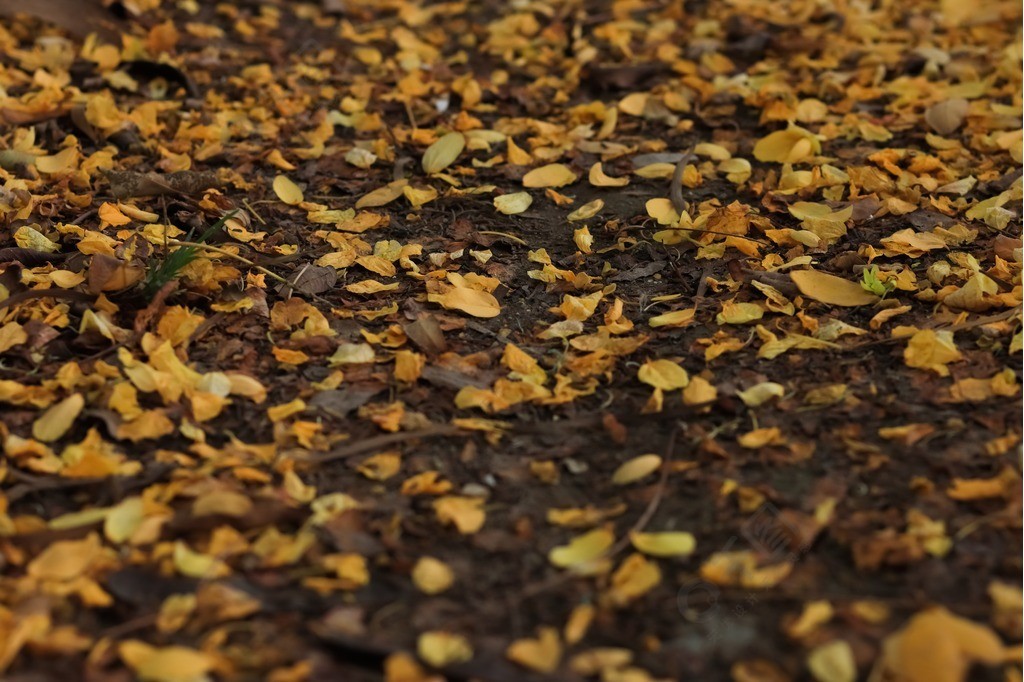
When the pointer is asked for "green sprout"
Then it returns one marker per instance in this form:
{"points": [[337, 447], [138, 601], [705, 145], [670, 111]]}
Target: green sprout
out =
{"points": [[174, 262], [871, 282]]}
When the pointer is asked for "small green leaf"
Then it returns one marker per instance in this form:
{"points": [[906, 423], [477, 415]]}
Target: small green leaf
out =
{"points": [[871, 283]]}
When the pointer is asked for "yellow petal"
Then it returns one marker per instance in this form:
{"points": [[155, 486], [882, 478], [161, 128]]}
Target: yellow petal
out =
{"points": [[382, 195], [517, 156], [542, 654], [418, 196], [669, 543], [381, 466], [761, 393], [663, 374], [676, 318], [511, 204], [123, 520], [439, 648], [663, 211], [59, 162], [583, 239], [736, 170], [30, 238], [598, 178], [931, 350], [699, 392], [832, 662], [634, 578], [830, 289], [465, 513], [470, 301], [739, 313], [166, 664], [582, 549], [287, 191], [432, 576], [792, 145], [656, 171], [551, 175], [636, 469], [587, 210], [56, 421], [443, 153]]}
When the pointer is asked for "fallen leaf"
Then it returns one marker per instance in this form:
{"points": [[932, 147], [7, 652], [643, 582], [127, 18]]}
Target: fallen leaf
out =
{"points": [[830, 289], [439, 648], [931, 350], [542, 654], [551, 175], [287, 191], [792, 145], [947, 116], [432, 576], [470, 301], [465, 513], [664, 544], [583, 549], [511, 204], [58, 419], [832, 662], [443, 153], [598, 178], [938, 646], [663, 374], [165, 664], [636, 469]]}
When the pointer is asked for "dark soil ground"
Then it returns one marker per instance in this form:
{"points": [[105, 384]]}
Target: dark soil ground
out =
{"points": [[844, 488]]}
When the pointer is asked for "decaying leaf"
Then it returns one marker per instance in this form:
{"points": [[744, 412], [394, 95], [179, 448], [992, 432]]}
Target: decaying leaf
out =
{"points": [[947, 116]]}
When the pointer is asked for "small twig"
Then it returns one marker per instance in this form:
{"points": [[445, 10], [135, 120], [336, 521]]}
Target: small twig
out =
{"points": [[47, 293], [84, 216], [652, 506], [703, 286], [290, 287], [970, 324], [245, 202], [31, 485], [675, 189], [368, 444], [408, 111], [725, 234], [225, 252], [506, 235], [129, 626], [641, 523], [476, 326]]}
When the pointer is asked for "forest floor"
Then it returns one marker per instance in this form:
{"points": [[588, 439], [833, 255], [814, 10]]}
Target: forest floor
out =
{"points": [[570, 340]]}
